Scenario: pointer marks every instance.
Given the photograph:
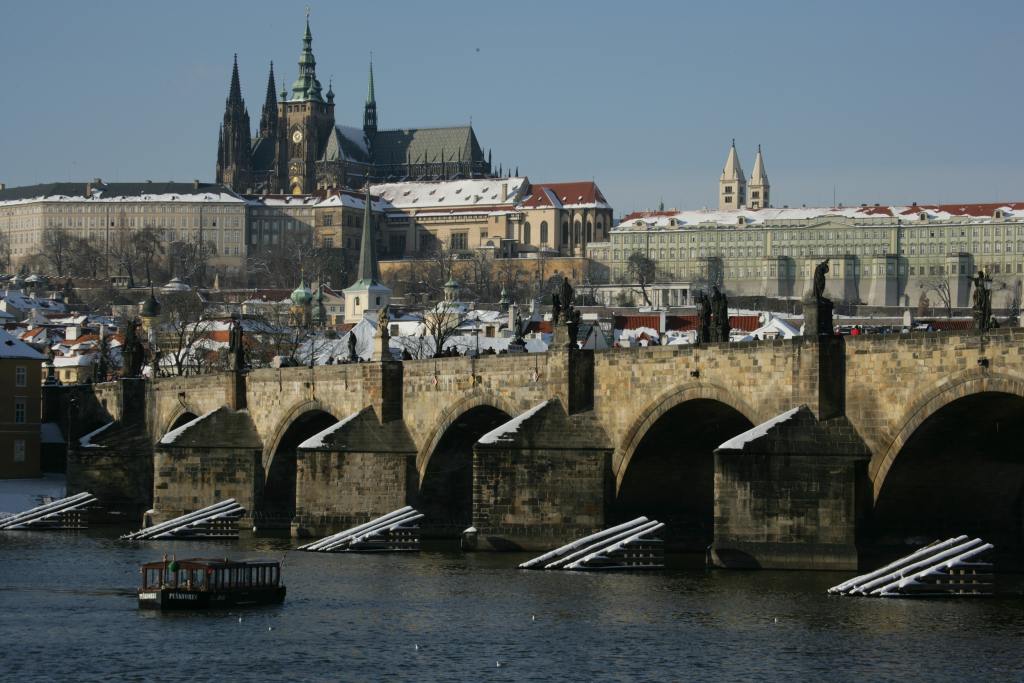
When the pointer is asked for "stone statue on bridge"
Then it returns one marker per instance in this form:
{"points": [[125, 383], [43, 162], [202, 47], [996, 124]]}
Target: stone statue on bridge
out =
{"points": [[236, 346], [720, 327], [567, 296], [383, 318], [818, 291], [352, 356], [134, 355], [703, 318], [981, 300]]}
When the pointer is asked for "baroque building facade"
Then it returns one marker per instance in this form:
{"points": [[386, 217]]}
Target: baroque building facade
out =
{"points": [[299, 148], [879, 255]]}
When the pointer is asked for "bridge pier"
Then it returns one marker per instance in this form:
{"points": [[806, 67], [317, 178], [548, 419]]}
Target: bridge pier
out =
{"points": [[355, 470], [539, 480], [791, 493]]}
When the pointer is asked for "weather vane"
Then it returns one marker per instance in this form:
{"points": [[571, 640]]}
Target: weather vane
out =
{"points": [[307, 12]]}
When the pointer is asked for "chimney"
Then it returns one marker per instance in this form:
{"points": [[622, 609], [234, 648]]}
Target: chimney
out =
{"points": [[195, 183], [3, 186], [504, 191]]}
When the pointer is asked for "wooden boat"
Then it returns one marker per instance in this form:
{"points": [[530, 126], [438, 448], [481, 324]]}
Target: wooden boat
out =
{"points": [[207, 583]]}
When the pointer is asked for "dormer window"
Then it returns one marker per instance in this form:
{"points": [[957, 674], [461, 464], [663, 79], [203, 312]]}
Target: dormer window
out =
{"points": [[998, 213], [923, 216]]}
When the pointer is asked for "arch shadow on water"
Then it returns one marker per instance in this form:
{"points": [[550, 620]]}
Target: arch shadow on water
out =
{"points": [[670, 475], [961, 471], [445, 495]]}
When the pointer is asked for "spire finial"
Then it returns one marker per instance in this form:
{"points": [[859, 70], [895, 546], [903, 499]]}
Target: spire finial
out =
{"points": [[734, 142]]}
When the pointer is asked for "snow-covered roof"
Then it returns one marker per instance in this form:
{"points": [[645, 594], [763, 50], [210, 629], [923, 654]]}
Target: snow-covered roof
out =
{"points": [[354, 201], [13, 348], [732, 217], [505, 431], [75, 361], [452, 193]]}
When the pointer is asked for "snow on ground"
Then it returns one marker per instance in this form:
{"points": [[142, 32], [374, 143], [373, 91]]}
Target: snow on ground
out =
{"points": [[18, 495]]}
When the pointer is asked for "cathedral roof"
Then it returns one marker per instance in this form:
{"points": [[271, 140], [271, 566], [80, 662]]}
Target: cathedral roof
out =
{"points": [[419, 145], [263, 151], [346, 143]]}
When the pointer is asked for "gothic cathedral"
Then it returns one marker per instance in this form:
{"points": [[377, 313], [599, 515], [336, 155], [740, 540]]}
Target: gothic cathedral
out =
{"points": [[299, 149]]}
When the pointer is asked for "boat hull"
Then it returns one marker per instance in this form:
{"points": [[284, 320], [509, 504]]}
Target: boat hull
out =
{"points": [[168, 599]]}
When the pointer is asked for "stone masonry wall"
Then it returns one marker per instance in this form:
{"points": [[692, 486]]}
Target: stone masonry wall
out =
{"points": [[335, 491], [186, 479]]}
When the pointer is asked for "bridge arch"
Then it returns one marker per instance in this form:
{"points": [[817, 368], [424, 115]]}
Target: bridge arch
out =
{"points": [[665, 466], [445, 463], [181, 415], [941, 394], [954, 466], [666, 402], [473, 399], [303, 420]]}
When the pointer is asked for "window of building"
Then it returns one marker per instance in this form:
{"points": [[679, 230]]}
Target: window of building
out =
{"points": [[543, 232], [396, 244], [328, 219], [458, 241], [19, 450], [328, 243], [19, 410], [21, 376], [526, 233], [565, 232], [357, 301]]}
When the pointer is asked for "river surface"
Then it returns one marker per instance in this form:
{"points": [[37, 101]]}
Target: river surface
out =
{"points": [[68, 613]]}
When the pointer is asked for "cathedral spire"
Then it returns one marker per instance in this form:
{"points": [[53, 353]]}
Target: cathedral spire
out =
{"points": [[369, 271], [732, 185], [370, 110], [234, 146], [306, 86], [268, 118], [235, 90], [759, 188]]}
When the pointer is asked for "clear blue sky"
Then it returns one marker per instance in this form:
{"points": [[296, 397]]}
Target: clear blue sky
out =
{"points": [[885, 101]]}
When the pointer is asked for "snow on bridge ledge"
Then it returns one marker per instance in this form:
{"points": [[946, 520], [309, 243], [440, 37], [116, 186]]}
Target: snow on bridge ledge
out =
{"points": [[317, 440], [505, 431], [737, 443], [172, 436]]}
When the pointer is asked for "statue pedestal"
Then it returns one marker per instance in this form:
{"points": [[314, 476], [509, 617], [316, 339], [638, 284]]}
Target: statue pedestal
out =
{"points": [[817, 317], [561, 339], [382, 347]]}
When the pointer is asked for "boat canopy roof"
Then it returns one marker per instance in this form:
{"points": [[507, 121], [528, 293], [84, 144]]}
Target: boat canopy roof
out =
{"points": [[211, 563]]}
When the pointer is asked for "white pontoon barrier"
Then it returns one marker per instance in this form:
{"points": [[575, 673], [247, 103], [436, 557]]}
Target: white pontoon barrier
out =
{"points": [[66, 513], [627, 546], [219, 520], [950, 567], [395, 531]]}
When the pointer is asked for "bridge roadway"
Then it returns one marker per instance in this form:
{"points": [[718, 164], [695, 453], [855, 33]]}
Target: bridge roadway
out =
{"points": [[897, 437]]}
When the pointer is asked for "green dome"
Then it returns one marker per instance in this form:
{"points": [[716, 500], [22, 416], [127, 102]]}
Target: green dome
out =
{"points": [[302, 295]]}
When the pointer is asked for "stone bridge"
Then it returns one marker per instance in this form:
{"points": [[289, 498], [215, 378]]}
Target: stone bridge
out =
{"points": [[846, 446]]}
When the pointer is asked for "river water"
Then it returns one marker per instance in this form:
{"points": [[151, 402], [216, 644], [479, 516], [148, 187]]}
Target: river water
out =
{"points": [[68, 612]]}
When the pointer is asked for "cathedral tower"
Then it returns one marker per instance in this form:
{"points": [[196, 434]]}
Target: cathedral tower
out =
{"points": [[759, 189], [234, 163], [732, 186], [306, 122]]}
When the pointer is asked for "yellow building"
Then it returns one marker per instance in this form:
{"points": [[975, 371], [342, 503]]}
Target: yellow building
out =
{"points": [[20, 404]]}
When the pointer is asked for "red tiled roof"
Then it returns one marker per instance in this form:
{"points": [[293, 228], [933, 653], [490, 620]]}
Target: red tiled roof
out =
{"points": [[583, 192], [984, 209], [540, 326], [680, 323], [648, 214], [941, 325]]}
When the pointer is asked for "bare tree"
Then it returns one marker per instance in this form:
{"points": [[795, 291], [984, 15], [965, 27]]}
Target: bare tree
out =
{"points": [[441, 322], [940, 287], [84, 258], [5, 252], [183, 332], [147, 247], [642, 270], [56, 249]]}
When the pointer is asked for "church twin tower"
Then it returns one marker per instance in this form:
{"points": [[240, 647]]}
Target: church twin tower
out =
{"points": [[299, 149], [733, 188]]}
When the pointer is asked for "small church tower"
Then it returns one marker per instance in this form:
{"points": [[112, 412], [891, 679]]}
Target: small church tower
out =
{"points": [[758, 188], [367, 294], [732, 186], [234, 161]]}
